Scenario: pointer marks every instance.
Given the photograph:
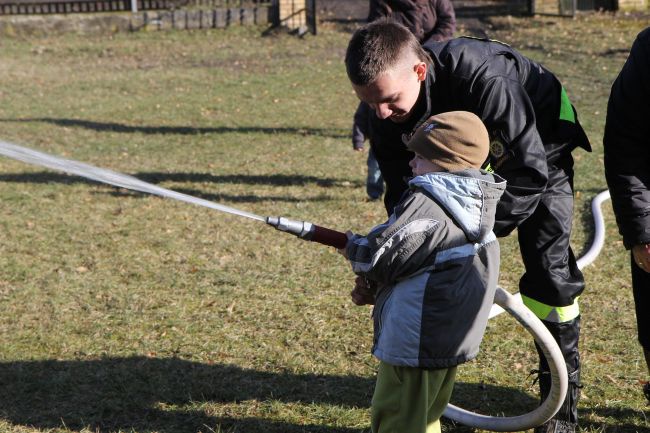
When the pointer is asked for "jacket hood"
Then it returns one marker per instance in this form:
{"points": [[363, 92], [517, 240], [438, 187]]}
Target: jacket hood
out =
{"points": [[470, 196]]}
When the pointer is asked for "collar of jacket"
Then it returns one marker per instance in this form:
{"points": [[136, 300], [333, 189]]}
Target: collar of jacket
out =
{"points": [[470, 196]]}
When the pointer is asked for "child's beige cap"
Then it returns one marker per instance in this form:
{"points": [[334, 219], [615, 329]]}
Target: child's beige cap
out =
{"points": [[455, 140]]}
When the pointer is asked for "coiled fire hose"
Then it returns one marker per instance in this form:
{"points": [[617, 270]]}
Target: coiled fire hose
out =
{"points": [[504, 301]]}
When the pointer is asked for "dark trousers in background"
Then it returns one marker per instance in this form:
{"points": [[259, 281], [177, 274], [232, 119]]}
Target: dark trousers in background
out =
{"points": [[641, 291], [374, 181]]}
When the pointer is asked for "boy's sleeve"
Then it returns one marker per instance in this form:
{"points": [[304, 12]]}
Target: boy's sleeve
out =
{"points": [[400, 247]]}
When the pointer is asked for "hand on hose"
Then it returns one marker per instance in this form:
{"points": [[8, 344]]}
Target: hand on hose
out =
{"points": [[641, 253], [344, 251], [364, 291]]}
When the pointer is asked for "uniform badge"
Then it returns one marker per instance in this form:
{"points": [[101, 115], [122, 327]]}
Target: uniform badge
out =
{"points": [[497, 149]]}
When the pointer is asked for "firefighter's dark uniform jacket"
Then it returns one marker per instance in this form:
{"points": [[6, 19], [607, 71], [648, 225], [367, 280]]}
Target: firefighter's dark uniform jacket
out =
{"points": [[518, 100], [627, 144]]}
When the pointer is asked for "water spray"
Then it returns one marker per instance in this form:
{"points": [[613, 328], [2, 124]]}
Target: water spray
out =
{"points": [[302, 229]]}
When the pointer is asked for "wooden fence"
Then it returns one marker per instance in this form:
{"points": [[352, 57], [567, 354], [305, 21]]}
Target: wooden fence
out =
{"points": [[40, 7]]}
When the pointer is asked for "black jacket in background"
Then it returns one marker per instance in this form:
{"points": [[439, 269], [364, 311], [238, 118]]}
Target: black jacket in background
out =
{"points": [[627, 144], [428, 20], [519, 102]]}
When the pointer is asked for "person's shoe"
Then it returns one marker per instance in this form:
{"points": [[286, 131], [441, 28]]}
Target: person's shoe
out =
{"points": [[646, 391]]}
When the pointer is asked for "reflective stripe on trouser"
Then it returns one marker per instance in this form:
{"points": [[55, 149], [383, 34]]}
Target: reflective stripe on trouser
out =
{"points": [[549, 313]]}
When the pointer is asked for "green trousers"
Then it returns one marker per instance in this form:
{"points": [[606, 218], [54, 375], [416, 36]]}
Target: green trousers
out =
{"points": [[410, 400]]}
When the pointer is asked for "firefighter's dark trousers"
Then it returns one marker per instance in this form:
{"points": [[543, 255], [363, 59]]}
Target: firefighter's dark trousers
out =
{"points": [[552, 281]]}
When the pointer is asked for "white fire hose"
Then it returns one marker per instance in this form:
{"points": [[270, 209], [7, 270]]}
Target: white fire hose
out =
{"points": [[504, 301]]}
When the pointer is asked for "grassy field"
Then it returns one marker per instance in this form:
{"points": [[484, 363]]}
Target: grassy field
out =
{"points": [[123, 312]]}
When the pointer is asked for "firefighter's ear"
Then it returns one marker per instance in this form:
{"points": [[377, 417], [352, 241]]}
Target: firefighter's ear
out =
{"points": [[420, 69]]}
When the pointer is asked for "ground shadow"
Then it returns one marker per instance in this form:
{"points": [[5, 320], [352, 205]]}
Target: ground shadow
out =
{"points": [[152, 394], [506, 402], [617, 414], [275, 180], [489, 400], [183, 130], [149, 394]]}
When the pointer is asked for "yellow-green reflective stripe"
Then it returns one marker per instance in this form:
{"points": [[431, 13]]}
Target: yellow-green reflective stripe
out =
{"points": [[566, 109], [550, 313]]}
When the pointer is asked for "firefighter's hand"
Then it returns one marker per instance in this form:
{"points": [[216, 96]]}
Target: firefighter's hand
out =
{"points": [[641, 255], [363, 292]]}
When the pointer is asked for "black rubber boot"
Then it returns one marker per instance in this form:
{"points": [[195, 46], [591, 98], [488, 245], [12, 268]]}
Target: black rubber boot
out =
{"points": [[566, 420], [567, 335]]}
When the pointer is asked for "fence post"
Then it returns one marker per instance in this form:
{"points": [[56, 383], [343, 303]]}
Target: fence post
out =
{"points": [[311, 16]]}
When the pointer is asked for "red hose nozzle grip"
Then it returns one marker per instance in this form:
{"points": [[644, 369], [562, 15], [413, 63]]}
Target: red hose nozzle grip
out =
{"points": [[329, 237], [309, 231]]}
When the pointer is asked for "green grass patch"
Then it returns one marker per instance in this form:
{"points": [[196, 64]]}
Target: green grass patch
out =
{"points": [[121, 312]]}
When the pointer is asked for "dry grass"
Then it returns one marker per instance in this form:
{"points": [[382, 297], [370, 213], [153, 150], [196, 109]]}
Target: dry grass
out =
{"points": [[121, 312]]}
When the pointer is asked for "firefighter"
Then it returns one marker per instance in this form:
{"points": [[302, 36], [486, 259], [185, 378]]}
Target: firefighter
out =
{"points": [[533, 129]]}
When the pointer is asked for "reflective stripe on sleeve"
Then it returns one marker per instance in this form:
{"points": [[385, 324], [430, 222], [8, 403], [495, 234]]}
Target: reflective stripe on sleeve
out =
{"points": [[566, 109]]}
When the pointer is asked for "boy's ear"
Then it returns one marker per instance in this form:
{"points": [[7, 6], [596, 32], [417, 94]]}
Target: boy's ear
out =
{"points": [[420, 69]]}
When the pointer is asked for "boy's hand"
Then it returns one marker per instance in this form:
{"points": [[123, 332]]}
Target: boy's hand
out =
{"points": [[363, 292], [344, 251]]}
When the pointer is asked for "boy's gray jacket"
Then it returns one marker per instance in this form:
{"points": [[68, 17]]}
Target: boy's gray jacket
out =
{"points": [[436, 261]]}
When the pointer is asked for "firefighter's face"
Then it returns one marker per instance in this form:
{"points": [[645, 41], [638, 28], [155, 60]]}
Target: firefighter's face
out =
{"points": [[394, 94]]}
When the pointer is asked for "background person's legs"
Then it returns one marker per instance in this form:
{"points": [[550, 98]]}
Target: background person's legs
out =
{"points": [[374, 181], [641, 291]]}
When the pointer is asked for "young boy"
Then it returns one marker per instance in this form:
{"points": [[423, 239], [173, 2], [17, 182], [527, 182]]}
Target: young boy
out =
{"points": [[435, 264]]}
